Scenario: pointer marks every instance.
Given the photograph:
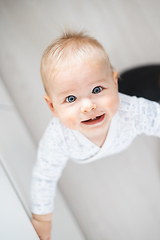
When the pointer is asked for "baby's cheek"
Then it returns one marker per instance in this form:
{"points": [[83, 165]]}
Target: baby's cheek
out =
{"points": [[70, 120], [111, 102], [115, 104]]}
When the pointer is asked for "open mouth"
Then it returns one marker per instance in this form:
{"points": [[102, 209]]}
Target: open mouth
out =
{"points": [[95, 120]]}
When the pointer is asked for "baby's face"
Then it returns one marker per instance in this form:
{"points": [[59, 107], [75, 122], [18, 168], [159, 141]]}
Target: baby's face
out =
{"points": [[85, 98]]}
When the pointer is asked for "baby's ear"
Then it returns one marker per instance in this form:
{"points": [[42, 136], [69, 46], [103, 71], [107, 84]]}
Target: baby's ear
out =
{"points": [[49, 102], [115, 77]]}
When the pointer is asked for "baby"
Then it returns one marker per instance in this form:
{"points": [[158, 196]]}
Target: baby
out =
{"points": [[91, 119]]}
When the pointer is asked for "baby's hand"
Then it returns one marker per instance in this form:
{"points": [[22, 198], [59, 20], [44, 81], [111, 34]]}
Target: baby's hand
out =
{"points": [[43, 228]]}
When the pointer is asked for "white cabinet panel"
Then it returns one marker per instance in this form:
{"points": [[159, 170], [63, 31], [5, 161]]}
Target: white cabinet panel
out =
{"points": [[14, 222]]}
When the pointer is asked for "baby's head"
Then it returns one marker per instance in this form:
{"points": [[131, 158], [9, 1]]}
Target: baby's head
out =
{"points": [[80, 83], [71, 49]]}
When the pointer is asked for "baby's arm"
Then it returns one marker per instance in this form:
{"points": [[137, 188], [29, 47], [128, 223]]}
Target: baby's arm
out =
{"points": [[42, 225], [51, 159]]}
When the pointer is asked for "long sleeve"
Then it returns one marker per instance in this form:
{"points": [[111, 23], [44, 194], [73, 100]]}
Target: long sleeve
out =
{"points": [[148, 117], [51, 159]]}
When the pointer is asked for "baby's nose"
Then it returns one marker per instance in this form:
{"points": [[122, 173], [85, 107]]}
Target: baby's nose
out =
{"points": [[88, 106]]}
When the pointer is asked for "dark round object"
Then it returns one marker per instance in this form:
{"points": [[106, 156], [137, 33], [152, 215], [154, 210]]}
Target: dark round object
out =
{"points": [[141, 82]]}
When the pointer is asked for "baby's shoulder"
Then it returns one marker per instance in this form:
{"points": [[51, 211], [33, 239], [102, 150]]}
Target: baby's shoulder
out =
{"points": [[128, 105], [53, 128], [127, 116], [138, 112], [54, 133]]}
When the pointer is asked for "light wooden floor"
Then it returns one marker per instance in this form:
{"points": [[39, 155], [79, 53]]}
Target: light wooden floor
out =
{"points": [[117, 197]]}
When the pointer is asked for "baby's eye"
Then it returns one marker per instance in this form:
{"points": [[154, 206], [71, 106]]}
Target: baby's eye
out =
{"points": [[70, 99], [97, 90]]}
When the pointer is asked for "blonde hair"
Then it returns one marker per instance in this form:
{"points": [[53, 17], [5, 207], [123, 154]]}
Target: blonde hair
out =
{"points": [[64, 51]]}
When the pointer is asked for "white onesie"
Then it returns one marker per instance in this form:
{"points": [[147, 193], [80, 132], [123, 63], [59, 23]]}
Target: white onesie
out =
{"points": [[58, 144]]}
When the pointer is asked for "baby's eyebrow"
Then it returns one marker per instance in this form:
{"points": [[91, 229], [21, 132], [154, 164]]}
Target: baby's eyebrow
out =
{"points": [[66, 93], [97, 82]]}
